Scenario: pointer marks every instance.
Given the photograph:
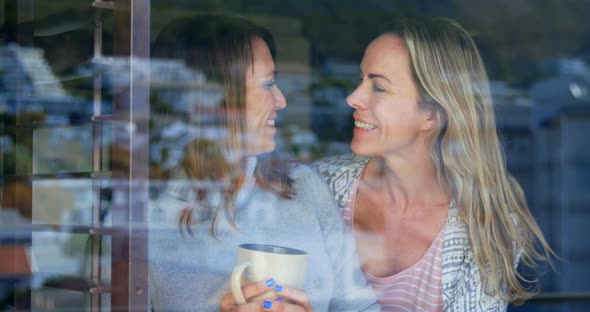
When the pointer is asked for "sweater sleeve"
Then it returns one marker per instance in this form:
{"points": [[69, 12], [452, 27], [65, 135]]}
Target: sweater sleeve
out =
{"points": [[351, 290]]}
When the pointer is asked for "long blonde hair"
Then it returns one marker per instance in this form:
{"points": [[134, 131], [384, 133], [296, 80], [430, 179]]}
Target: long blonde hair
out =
{"points": [[453, 84]]}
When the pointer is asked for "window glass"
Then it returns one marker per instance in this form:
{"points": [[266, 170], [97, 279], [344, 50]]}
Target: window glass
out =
{"points": [[72, 115]]}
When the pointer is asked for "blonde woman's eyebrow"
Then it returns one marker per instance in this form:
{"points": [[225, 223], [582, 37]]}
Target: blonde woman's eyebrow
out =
{"points": [[373, 76]]}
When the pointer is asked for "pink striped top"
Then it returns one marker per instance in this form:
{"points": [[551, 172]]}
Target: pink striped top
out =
{"points": [[417, 288]]}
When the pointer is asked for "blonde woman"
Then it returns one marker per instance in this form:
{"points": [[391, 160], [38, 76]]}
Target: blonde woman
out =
{"points": [[439, 224], [235, 193]]}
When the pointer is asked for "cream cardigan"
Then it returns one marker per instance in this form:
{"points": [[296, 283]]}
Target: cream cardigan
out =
{"points": [[461, 278]]}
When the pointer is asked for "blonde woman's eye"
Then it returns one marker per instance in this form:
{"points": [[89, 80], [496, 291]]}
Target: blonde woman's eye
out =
{"points": [[377, 88]]}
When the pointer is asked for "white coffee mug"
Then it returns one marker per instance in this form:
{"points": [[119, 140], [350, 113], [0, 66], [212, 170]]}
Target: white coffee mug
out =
{"points": [[257, 262]]}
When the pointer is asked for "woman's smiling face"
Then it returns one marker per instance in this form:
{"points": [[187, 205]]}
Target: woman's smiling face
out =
{"points": [[387, 117], [263, 100]]}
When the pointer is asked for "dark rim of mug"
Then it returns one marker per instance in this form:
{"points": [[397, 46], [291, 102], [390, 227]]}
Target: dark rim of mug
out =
{"points": [[273, 249]]}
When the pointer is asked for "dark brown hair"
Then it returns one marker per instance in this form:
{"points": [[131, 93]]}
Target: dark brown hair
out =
{"points": [[221, 48]]}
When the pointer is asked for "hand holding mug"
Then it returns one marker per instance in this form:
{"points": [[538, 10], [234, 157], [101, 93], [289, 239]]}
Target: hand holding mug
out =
{"points": [[258, 262], [268, 278], [287, 298]]}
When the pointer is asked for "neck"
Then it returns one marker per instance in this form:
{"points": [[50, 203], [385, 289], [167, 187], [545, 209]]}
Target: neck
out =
{"points": [[411, 181]]}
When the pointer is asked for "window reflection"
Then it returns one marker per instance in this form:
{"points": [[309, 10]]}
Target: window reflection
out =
{"points": [[52, 179]]}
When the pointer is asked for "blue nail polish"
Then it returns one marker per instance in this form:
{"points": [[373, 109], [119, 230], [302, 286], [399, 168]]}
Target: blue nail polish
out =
{"points": [[278, 288], [270, 283], [267, 304], [279, 299]]}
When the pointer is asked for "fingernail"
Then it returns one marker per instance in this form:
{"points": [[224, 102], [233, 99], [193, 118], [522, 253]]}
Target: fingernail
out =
{"points": [[278, 288], [279, 299], [270, 283], [267, 304]]}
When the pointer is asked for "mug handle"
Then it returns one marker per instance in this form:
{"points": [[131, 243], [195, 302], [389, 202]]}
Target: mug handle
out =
{"points": [[236, 282]]}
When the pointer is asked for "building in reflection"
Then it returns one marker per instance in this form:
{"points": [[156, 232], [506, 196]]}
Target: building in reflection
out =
{"points": [[562, 166], [543, 132], [26, 76]]}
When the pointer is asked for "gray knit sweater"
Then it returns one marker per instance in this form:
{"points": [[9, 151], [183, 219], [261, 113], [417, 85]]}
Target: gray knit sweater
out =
{"points": [[192, 273]]}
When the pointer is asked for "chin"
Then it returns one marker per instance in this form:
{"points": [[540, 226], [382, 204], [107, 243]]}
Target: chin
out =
{"points": [[360, 149], [267, 148]]}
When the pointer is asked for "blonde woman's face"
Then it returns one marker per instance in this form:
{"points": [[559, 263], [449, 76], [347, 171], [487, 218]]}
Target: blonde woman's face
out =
{"points": [[263, 100], [387, 118]]}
